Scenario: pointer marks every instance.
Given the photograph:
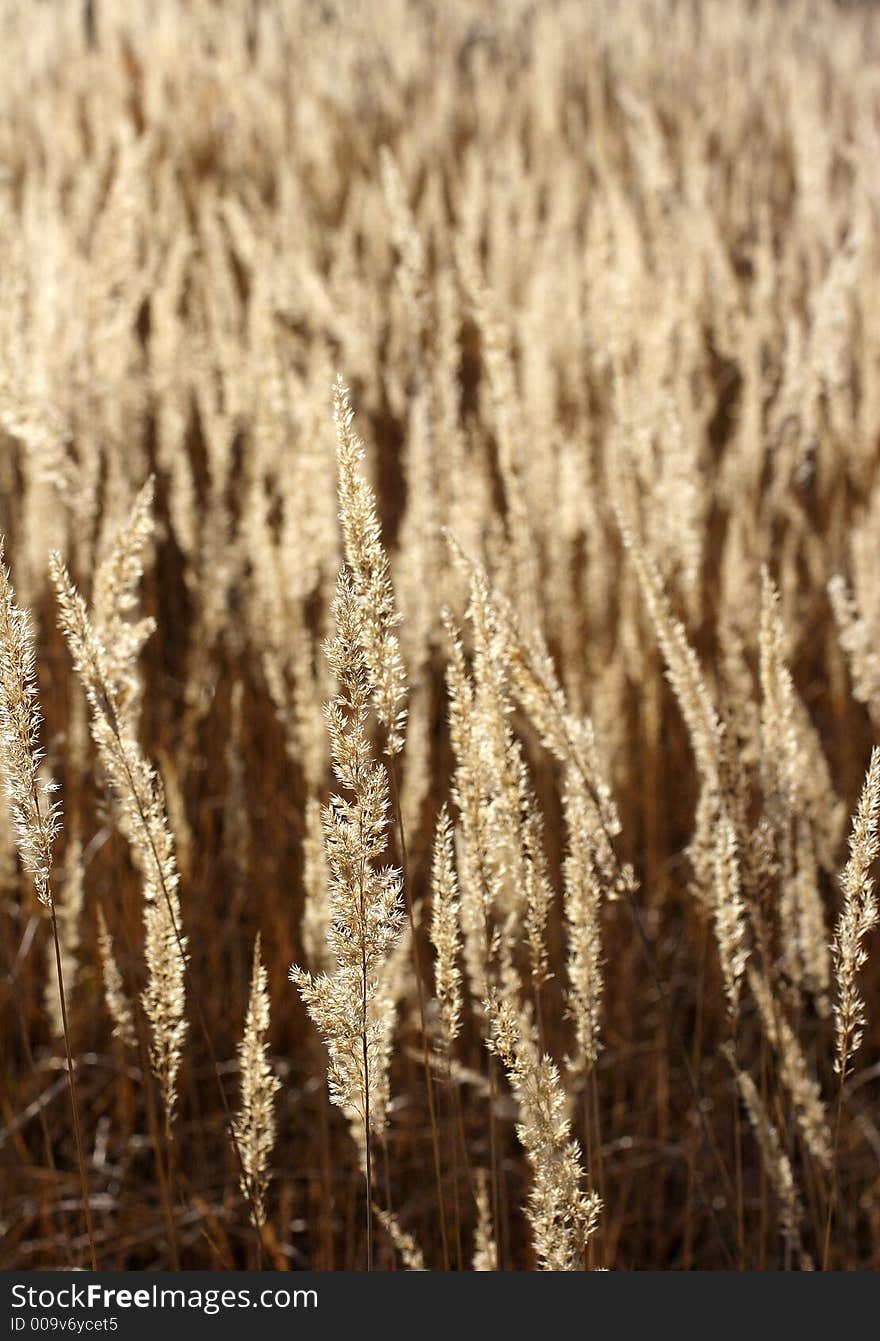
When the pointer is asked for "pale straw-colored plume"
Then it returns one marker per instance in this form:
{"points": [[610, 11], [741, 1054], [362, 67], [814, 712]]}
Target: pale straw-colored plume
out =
{"points": [[509, 427], [779, 742], [370, 576], [485, 1256], [418, 777], [117, 999], [583, 900], [122, 631], [562, 1215], [366, 906], [813, 940], [36, 817], [255, 1124], [388, 1005], [477, 877], [445, 930], [718, 878], [729, 911], [410, 1253], [515, 851], [315, 923], [794, 804], [535, 686], [794, 1071], [857, 625], [858, 916], [779, 1170], [683, 669]]}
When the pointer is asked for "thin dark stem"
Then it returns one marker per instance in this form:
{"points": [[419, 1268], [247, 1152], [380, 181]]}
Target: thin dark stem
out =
{"points": [[325, 1261], [369, 1154], [456, 1210], [462, 1136], [74, 1100], [740, 1217], [455, 1168], [588, 1154], [600, 1163], [689, 1073], [166, 1192], [832, 1190], [765, 1213], [420, 987], [695, 1061], [368, 1171], [493, 1162]]}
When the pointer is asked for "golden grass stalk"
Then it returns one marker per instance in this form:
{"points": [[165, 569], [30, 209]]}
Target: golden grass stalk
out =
{"points": [[255, 1124], [410, 1253], [370, 576], [138, 791], [115, 995], [365, 899], [583, 893], [446, 932], [858, 916], [35, 815], [561, 1214]]}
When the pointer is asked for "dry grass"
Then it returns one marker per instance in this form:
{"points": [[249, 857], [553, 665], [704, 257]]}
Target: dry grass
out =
{"points": [[589, 536]]}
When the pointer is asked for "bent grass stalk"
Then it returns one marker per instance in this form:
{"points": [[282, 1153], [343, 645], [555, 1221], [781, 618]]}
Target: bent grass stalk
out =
{"points": [[129, 777]]}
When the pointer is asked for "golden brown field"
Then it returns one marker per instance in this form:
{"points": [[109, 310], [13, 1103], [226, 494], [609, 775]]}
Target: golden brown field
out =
{"points": [[440, 481]]}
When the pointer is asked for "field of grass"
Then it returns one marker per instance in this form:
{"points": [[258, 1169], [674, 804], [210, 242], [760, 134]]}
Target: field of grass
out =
{"points": [[440, 637]]}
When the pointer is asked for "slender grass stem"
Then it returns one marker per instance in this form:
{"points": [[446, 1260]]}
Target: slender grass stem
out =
{"points": [[74, 1097], [420, 989]]}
